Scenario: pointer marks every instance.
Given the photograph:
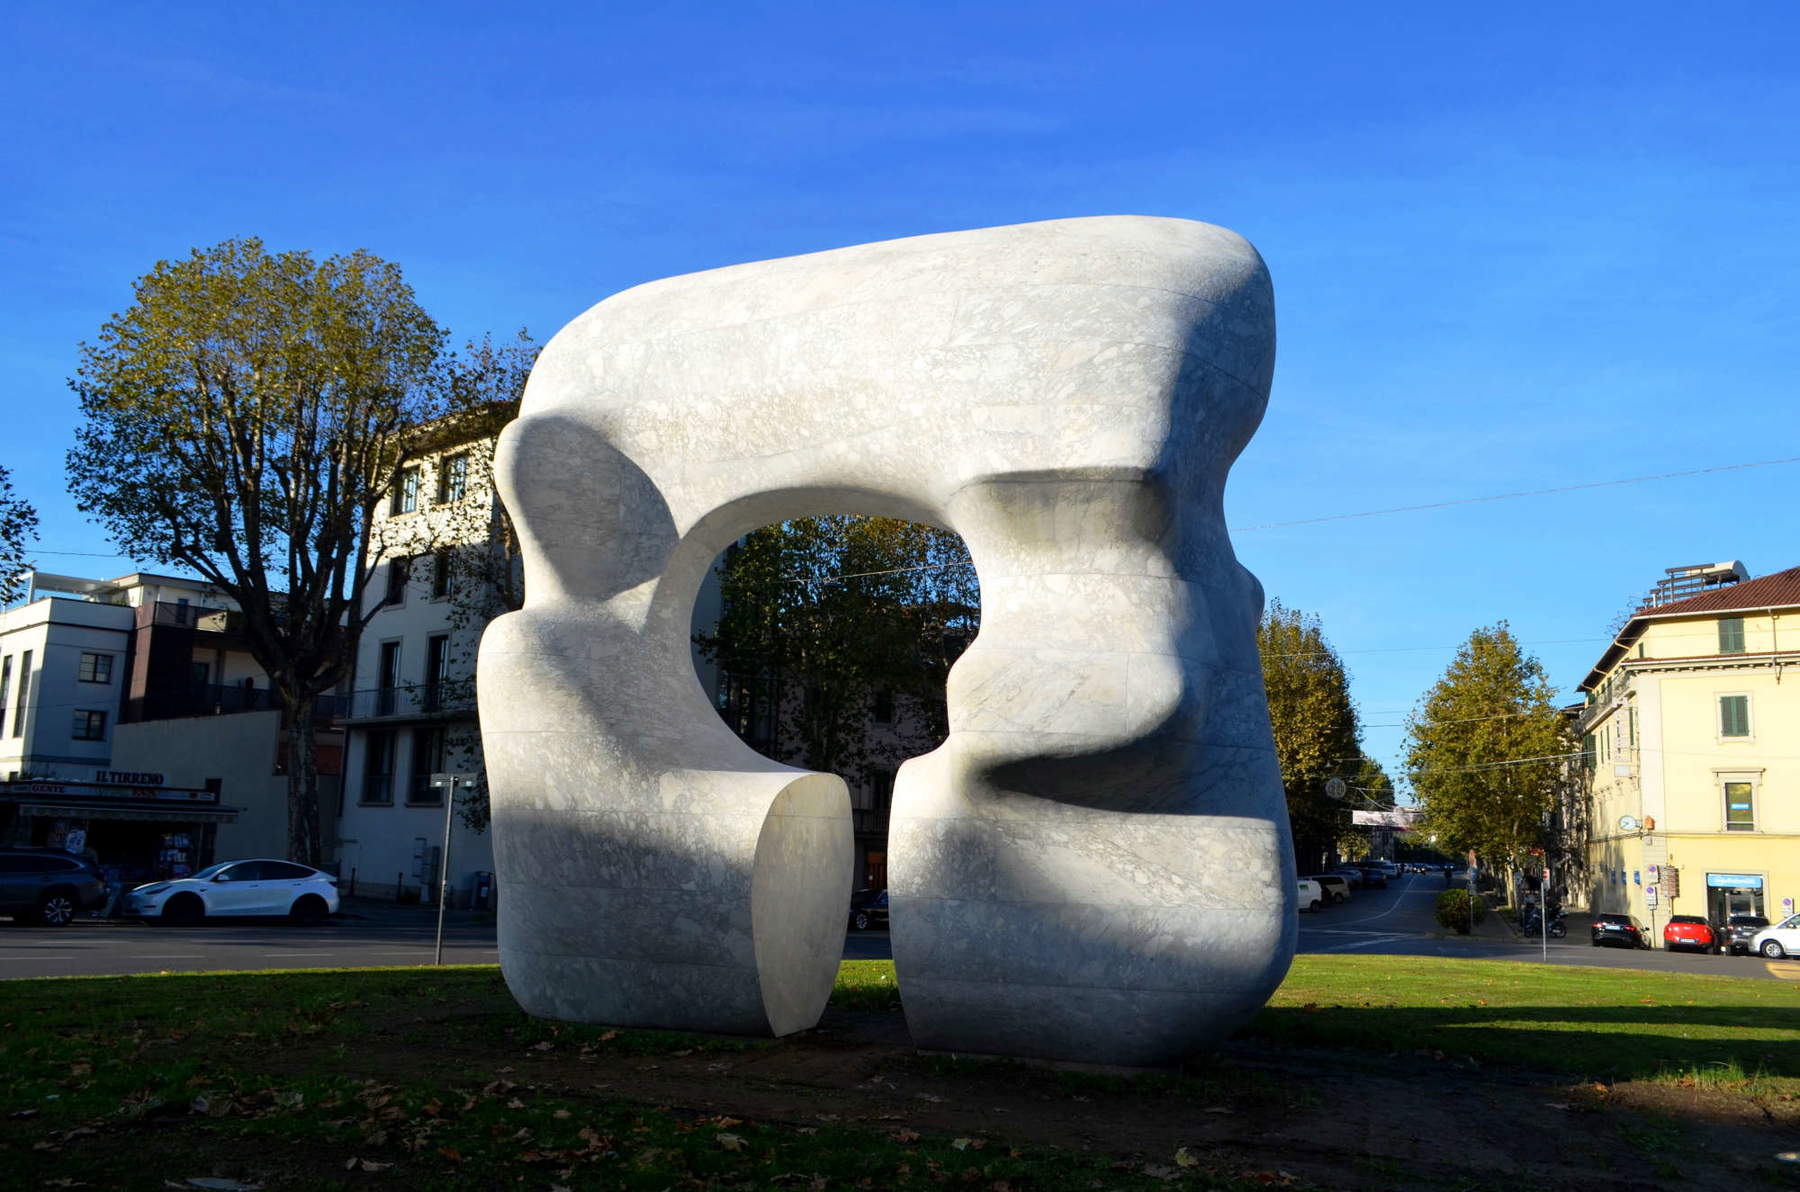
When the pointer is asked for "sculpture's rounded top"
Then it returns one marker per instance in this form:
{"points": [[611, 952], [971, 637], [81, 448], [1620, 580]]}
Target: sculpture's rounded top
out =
{"points": [[1178, 255]]}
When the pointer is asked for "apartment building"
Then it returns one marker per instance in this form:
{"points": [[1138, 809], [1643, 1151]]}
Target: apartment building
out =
{"points": [[1691, 747], [134, 722], [443, 568]]}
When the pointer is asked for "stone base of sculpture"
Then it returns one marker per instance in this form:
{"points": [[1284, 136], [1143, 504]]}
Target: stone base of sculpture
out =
{"points": [[1095, 866]]}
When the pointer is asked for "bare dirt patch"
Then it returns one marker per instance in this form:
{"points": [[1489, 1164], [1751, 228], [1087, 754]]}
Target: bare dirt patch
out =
{"points": [[1334, 1118]]}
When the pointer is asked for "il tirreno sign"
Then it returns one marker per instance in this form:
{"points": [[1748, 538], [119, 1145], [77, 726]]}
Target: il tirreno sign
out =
{"points": [[127, 778], [110, 790]]}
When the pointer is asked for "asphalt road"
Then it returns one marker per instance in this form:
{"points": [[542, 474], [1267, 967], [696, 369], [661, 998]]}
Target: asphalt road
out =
{"points": [[94, 948], [1400, 921], [1397, 921]]}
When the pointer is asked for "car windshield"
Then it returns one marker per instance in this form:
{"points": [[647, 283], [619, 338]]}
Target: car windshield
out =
{"points": [[210, 872]]}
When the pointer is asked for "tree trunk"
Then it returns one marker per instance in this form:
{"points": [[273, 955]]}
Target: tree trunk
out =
{"points": [[304, 832]]}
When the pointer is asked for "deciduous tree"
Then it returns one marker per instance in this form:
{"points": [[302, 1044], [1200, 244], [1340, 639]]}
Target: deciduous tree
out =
{"points": [[18, 528], [244, 415], [1315, 727], [824, 618], [1486, 750]]}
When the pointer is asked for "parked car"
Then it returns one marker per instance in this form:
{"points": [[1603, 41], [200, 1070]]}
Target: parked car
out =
{"points": [[1737, 931], [868, 908], [1689, 932], [1312, 894], [1374, 876], [1354, 876], [1619, 929], [1783, 939], [48, 886], [238, 888], [1335, 885]]}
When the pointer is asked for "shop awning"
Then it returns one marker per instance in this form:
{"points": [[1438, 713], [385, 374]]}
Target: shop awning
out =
{"points": [[133, 811]]}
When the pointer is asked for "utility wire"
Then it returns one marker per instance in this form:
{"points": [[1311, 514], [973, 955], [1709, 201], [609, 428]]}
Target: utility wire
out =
{"points": [[1533, 492]]}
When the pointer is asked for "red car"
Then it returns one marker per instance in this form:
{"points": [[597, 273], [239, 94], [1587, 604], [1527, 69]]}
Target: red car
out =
{"points": [[1689, 931]]}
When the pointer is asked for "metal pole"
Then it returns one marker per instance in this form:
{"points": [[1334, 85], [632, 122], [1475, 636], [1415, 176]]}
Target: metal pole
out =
{"points": [[444, 869], [1544, 905], [1471, 907]]}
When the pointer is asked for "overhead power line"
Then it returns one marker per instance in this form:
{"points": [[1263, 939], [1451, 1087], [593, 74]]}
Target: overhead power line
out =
{"points": [[1532, 492]]}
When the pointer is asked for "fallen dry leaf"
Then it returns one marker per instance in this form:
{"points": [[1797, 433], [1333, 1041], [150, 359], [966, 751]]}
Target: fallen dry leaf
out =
{"points": [[1185, 1158], [731, 1142]]}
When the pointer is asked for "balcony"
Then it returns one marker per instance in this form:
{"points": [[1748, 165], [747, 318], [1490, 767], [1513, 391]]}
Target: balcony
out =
{"points": [[215, 699], [448, 700]]}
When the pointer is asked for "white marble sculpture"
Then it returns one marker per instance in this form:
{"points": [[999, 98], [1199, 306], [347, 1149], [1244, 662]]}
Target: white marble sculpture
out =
{"points": [[1095, 866]]}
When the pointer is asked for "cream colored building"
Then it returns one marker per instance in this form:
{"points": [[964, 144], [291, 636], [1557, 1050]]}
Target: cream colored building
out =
{"points": [[1691, 743]]}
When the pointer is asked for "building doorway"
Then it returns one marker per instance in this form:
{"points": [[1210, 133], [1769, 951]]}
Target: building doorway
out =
{"points": [[1730, 894]]}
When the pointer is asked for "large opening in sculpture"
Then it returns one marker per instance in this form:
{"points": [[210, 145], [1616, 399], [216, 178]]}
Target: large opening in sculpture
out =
{"points": [[824, 643]]}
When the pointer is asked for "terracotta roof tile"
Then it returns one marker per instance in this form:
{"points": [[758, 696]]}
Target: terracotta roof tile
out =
{"points": [[1776, 590]]}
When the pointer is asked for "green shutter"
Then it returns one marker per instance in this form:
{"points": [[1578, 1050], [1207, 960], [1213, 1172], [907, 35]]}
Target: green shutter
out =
{"points": [[1731, 635], [1734, 715]]}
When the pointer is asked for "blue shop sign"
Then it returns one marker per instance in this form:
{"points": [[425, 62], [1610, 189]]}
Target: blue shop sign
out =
{"points": [[1734, 881]]}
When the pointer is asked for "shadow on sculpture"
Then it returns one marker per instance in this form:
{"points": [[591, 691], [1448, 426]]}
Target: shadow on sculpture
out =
{"points": [[1095, 865]]}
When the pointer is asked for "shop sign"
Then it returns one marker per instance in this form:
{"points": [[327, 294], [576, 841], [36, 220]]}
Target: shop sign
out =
{"points": [[127, 778], [89, 790], [1734, 881]]}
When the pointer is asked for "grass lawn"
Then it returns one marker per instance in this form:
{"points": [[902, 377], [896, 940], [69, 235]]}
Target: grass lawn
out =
{"points": [[1598, 1023], [402, 1078]]}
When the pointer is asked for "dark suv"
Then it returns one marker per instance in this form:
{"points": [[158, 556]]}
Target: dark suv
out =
{"points": [[867, 908], [47, 885], [1619, 929], [1736, 933]]}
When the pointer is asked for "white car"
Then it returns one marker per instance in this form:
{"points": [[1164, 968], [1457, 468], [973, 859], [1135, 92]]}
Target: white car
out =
{"points": [[1783, 939], [258, 887], [1312, 894]]}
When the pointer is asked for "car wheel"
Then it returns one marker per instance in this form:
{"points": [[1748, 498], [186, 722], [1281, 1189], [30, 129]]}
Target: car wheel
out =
{"points": [[1773, 950], [309, 909], [860, 920], [57, 909], [1314, 908], [184, 909]]}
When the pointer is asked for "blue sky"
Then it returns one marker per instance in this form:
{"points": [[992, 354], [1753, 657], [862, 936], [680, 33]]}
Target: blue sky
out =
{"points": [[1516, 248]]}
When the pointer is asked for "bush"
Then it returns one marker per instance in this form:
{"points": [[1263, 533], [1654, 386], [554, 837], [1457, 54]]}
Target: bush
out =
{"points": [[1457, 912]]}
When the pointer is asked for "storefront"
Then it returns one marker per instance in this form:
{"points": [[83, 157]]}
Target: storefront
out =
{"points": [[139, 830], [1734, 894]]}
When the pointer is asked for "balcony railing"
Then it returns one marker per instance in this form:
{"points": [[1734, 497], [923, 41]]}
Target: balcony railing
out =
{"points": [[215, 699], [192, 616], [415, 701]]}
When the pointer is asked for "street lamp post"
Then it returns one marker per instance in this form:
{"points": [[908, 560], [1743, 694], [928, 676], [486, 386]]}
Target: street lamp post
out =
{"points": [[447, 783]]}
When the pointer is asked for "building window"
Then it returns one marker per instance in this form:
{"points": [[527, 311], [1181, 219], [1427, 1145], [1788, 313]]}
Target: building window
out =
{"points": [[1740, 806], [427, 759], [398, 575], [387, 679], [1734, 716], [453, 478], [95, 668], [378, 767], [90, 726], [406, 491], [24, 694], [437, 667], [1731, 635], [443, 574], [5, 684]]}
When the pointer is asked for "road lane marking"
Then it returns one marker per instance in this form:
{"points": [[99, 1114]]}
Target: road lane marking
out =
{"points": [[1368, 943], [195, 956], [1787, 971]]}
